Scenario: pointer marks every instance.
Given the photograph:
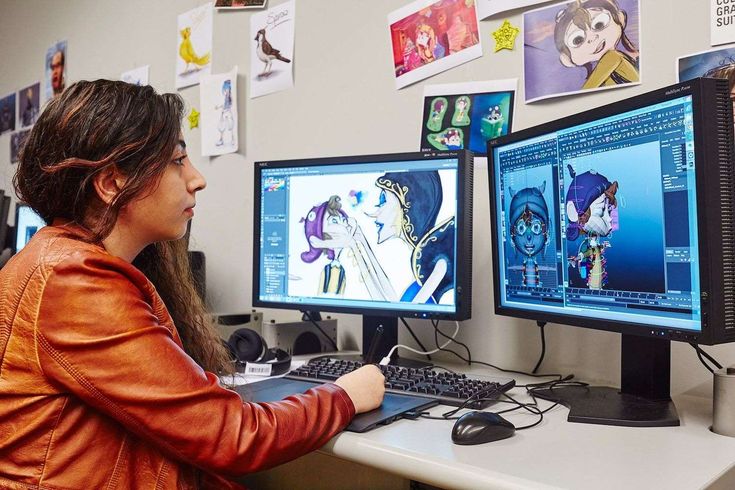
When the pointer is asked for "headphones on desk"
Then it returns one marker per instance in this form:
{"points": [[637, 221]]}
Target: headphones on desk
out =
{"points": [[250, 350]]}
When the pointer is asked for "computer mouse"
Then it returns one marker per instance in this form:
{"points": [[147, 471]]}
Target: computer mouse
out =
{"points": [[481, 427]]}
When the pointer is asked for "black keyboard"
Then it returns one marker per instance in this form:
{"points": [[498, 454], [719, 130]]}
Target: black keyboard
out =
{"points": [[445, 387]]}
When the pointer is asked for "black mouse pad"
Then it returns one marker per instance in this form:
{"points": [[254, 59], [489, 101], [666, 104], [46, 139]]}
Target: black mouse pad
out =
{"points": [[392, 408]]}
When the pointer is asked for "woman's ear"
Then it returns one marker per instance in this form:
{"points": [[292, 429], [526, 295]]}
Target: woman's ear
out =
{"points": [[107, 183]]}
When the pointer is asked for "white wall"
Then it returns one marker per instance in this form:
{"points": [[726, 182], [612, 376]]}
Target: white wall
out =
{"points": [[343, 102]]}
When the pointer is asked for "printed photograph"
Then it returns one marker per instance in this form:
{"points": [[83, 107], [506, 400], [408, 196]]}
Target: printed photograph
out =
{"points": [[29, 104], [711, 63], [55, 69], [17, 139], [7, 113], [239, 4]]}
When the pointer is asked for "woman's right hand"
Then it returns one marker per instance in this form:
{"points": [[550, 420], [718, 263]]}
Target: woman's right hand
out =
{"points": [[365, 387]]}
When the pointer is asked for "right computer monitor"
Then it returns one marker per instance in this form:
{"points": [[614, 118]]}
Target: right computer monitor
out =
{"points": [[27, 223], [621, 219]]}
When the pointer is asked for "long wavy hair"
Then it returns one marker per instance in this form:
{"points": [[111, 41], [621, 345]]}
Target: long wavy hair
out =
{"points": [[94, 125]]}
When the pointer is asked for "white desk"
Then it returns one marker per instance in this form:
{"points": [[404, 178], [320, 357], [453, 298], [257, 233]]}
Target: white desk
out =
{"points": [[556, 454]]}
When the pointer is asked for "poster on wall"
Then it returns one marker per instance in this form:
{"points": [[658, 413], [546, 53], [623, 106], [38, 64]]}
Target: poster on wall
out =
{"points": [[239, 4], [722, 22], [486, 8], [7, 113], [429, 37], [570, 48], [466, 115], [17, 139], [218, 116], [704, 63], [271, 49], [194, 45], [136, 76], [29, 104], [55, 69]]}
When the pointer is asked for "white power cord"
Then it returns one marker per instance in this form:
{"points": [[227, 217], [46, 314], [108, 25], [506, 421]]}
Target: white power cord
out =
{"points": [[386, 360]]}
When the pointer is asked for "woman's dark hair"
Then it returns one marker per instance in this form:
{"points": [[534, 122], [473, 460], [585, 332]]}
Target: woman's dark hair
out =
{"points": [[95, 125]]}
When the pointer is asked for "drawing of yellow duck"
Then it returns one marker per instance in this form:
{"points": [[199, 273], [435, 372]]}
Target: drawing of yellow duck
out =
{"points": [[187, 53]]}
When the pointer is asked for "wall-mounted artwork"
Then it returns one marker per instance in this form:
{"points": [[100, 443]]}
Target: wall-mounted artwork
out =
{"points": [[218, 116], [7, 113], [429, 37], [194, 45], [271, 49], [29, 104], [55, 69], [17, 139], [239, 4], [136, 76], [466, 115], [704, 63], [722, 22], [581, 46]]}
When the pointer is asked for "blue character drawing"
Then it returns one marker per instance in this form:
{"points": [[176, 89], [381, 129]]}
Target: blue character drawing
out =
{"points": [[529, 230], [590, 206], [408, 208], [226, 119]]}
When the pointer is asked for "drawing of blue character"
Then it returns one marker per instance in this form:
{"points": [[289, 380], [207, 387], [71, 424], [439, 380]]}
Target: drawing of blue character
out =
{"points": [[226, 120], [590, 203], [529, 229], [408, 208]]}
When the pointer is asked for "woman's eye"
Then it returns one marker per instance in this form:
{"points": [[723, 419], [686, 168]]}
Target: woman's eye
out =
{"points": [[600, 21], [180, 160], [575, 39]]}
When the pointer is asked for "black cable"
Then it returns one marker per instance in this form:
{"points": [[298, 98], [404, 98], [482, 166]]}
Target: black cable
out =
{"points": [[308, 317], [701, 352], [701, 359], [443, 349], [435, 324], [405, 323], [541, 326]]}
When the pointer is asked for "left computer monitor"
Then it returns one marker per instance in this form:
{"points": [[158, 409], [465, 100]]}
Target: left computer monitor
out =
{"points": [[384, 236], [27, 223]]}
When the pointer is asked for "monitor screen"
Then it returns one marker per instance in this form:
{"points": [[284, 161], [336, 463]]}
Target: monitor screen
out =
{"points": [[27, 223], [599, 220], [379, 234]]}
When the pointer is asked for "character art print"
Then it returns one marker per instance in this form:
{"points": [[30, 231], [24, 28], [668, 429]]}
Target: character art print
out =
{"points": [[218, 118], [194, 45], [429, 37], [271, 49], [581, 46]]}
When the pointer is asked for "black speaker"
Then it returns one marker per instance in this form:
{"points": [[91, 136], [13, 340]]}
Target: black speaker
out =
{"points": [[250, 349]]}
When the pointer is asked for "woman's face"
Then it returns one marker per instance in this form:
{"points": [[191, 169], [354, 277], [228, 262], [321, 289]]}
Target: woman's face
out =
{"points": [[163, 214], [388, 216], [588, 45]]}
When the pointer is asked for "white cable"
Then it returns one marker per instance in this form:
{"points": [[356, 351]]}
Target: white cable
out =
{"points": [[386, 360]]}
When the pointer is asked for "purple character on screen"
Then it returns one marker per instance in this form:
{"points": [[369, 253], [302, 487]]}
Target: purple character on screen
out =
{"points": [[590, 206], [529, 229]]}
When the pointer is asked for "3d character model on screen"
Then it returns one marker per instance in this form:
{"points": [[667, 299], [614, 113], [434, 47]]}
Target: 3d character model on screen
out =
{"points": [[407, 210], [330, 231], [590, 204], [529, 229]]}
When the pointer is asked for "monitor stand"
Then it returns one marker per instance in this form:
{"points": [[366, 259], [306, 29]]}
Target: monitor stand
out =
{"points": [[644, 398]]}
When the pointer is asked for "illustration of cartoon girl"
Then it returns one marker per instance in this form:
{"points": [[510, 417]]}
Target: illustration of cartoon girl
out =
{"points": [[425, 42], [587, 34], [330, 231], [408, 207], [226, 121], [461, 111], [411, 58], [529, 229]]}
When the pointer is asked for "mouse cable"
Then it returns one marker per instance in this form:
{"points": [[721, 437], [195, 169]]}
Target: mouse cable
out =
{"points": [[405, 323], [545, 375], [331, 341], [443, 348], [701, 352], [435, 324], [386, 360]]}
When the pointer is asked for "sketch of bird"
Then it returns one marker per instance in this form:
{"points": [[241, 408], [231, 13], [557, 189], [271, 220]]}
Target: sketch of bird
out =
{"points": [[267, 53], [187, 53]]}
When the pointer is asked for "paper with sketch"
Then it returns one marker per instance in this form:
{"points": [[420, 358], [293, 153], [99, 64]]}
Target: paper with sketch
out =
{"points": [[218, 118], [271, 49]]}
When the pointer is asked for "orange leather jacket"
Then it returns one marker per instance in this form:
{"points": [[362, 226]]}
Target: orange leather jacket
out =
{"points": [[97, 392]]}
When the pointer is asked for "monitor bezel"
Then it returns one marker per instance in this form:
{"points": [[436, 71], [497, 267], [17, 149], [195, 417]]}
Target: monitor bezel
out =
{"points": [[702, 136], [463, 282]]}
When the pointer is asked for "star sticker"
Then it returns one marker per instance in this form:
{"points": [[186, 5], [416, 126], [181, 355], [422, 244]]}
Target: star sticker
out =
{"points": [[193, 118], [505, 37]]}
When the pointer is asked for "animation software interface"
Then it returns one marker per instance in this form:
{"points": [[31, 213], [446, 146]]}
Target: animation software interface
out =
{"points": [[360, 235], [599, 219]]}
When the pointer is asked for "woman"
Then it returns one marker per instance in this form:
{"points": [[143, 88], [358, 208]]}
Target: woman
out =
{"points": [[107, 358]]}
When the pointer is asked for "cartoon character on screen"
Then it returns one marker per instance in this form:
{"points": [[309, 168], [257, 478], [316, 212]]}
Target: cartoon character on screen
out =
{"points": [[587, 34], [407, 210], [529, 229], [590, 204], [226, 121]]}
